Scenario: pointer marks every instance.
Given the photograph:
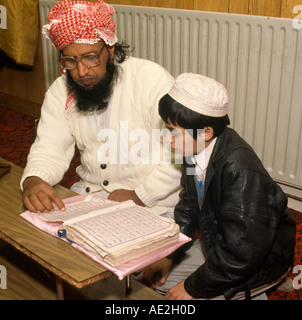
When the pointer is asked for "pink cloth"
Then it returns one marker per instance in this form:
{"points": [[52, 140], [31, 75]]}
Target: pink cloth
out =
{"points": [[121, 271]]}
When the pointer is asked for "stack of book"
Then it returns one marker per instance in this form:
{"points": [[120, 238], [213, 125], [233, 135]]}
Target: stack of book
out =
{"points": [[117, 232]]}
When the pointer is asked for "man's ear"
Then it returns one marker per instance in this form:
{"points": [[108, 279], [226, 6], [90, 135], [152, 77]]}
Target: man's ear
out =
{"points": [[111, 52], [209, 133]]}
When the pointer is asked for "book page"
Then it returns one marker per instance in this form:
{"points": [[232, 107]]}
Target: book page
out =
{"points": [[77, 209], [121, 227]]}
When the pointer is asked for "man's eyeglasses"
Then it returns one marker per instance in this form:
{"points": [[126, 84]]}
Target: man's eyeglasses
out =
{"points": [[89, 60]]}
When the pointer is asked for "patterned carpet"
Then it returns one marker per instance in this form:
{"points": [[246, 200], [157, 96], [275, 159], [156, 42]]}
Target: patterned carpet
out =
{"points": [[17, 133]]}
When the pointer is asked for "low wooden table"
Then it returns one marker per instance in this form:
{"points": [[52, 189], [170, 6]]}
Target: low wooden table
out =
{"points": [[51, 253]]}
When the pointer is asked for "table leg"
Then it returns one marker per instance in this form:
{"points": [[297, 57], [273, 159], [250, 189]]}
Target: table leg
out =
{"points": [[60, 289], [128, 285]]}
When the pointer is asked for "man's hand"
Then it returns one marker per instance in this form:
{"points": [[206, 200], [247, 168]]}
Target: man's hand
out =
{"points": [[123, 195], [39, 196], [178, 293], [163, 267]]}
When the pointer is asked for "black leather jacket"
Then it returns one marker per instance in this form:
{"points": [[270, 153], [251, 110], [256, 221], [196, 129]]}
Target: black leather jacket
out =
{"points": [[247, 231]]}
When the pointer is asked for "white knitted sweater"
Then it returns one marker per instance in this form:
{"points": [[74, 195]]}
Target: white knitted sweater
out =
{"points": [[134, 105]]}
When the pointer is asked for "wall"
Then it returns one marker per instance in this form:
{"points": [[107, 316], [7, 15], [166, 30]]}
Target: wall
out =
{"points": [[24, 91], [272, 8]]}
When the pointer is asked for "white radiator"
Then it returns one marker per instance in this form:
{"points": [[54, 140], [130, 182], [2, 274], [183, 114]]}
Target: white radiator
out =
{"points": [[258, 59]]}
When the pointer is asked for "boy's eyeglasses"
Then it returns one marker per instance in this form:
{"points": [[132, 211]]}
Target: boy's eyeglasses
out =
{"points": [[89, 60]]}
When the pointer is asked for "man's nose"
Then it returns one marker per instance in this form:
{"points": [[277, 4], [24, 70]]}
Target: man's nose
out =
{"points": [[82, 69]]}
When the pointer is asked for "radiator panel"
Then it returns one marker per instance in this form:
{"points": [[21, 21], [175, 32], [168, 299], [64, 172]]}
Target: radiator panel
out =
{"points": [[258, 59]]}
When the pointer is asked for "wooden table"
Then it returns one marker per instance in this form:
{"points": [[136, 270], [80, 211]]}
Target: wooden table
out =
{"points": [[51, 253]]}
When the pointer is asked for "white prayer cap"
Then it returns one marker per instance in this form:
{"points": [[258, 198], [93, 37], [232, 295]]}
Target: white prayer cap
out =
{"points": [[200, 94]]}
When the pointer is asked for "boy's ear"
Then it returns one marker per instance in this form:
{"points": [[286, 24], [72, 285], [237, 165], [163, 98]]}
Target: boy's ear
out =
{"points": [[209, 133]]}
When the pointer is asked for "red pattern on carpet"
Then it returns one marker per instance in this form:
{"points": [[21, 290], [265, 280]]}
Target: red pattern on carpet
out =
{"points": [[296, 294], [17, 133]]}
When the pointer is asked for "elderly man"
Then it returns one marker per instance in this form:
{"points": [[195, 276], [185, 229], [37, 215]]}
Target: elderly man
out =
{"points": [[105, 103]]}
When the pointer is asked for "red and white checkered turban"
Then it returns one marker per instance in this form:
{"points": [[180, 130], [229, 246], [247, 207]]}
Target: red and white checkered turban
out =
{"points": [[80, 22]]}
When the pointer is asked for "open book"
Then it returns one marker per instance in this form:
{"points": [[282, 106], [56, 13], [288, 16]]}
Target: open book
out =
{"points": [[117, 232]]}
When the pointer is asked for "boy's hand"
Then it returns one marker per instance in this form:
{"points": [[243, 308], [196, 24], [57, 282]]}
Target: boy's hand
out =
{"points": [[178, 293], [163, 267]]}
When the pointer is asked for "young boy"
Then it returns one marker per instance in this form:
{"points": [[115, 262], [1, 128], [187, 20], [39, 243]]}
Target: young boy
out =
{"points": [[247, 232]]}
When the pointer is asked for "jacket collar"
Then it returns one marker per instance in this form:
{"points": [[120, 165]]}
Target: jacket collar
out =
{"points": [[220, 147], [218, 153]]}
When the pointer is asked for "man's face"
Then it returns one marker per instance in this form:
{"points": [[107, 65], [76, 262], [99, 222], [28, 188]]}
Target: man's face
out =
{"points": [[92, 87], [82, 75]]}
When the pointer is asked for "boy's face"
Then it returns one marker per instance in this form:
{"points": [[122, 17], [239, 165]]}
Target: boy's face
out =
{"points": [[182, 142]]}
